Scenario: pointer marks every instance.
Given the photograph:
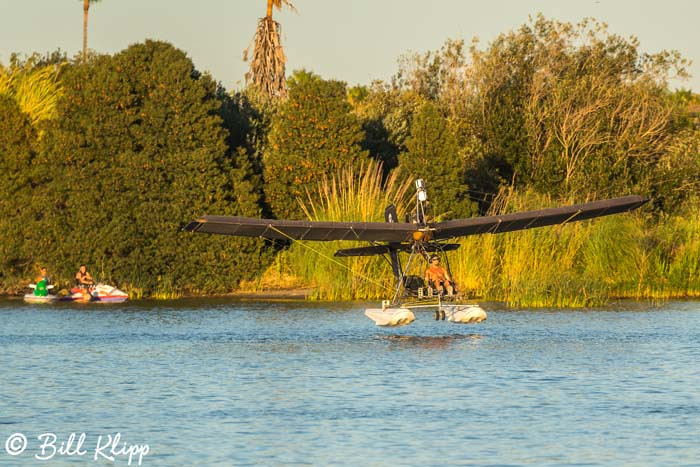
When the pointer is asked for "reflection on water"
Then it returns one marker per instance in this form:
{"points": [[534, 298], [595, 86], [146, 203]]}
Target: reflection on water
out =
{"points": [[429, 342], [223, 382]]}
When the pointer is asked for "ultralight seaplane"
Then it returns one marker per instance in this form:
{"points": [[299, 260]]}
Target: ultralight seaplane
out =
{"points": [[422, 239]]}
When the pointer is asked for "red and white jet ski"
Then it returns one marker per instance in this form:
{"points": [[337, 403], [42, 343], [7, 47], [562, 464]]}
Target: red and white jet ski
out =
{"points": [[97, 293]]}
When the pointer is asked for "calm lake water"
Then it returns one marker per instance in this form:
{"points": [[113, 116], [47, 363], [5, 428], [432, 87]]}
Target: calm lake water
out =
{"points": [[223, 382]]}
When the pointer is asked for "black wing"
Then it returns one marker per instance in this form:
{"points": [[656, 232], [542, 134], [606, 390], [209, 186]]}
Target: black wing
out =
{"points": [[303, 230], [539, 218], [384, 249], [403, 232]]}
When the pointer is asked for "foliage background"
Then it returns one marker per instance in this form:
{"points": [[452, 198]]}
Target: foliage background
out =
{"points": [[104, 161], [139, 147]]}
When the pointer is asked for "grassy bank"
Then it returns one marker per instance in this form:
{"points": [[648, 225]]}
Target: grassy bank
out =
{"points": [[628, 256], [633, 255], [360, 197], [586, 263]]}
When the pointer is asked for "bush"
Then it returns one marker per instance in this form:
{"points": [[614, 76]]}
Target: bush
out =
{"points": [[139, 148], [17, 152], [313, 136]]}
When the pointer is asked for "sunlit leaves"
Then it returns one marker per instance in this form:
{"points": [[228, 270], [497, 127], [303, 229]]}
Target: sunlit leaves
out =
{"points": [[35, 89]]}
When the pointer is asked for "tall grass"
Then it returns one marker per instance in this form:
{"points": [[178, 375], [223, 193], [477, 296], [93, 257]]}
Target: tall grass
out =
{"points": [[352, 195], [583, 263], [580, 264], [530, 268], [672, 260]]}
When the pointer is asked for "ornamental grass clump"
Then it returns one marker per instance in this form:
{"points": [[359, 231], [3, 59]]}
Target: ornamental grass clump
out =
{"points": [[351, 195]]}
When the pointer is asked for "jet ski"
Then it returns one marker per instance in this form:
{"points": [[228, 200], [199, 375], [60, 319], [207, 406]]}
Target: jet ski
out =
{"points": [[41, 293], [97, 293]]}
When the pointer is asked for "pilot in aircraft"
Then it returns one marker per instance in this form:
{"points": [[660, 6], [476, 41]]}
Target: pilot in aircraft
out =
{"points": [[437, 277]]}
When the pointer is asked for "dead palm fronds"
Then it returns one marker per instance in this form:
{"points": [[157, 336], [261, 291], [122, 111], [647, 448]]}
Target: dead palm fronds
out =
{"points": [[267, 67]]}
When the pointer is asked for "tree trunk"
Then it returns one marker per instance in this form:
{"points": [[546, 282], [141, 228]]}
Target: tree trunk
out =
{"points": [[269, 9], [86, 7]]}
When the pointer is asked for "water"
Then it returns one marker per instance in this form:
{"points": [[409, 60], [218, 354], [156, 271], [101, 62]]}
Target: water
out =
{"points": [[221, 382]]}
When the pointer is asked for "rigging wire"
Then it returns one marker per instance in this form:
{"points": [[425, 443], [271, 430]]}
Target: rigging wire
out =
{"points": [[322, 255]]}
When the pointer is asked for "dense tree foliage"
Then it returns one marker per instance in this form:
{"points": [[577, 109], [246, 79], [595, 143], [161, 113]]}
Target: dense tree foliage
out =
{"points": [[17, 153], [139, 148], [567, 109], [433, 155], [386, 114], [313, 135]]}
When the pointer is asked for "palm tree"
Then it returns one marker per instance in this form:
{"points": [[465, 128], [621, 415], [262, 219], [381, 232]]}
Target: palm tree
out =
{"points": [[86, 7], [267, 66]]}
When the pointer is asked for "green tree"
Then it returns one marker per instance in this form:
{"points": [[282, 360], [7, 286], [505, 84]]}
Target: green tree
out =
{"points": [[594, 114], [676, 176], [434, 75], [597, 114], [18, 141], [567, 108], [140, 148], [248, 114], [433, 155], [29, 92], [313, 135], [386, 113]]}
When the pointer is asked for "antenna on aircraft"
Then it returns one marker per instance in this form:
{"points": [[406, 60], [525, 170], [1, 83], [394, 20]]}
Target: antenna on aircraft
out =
{"points": [[421, 201]]}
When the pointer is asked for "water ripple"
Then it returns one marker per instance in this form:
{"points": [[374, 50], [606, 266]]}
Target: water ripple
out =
{"points": [[220, 382]]}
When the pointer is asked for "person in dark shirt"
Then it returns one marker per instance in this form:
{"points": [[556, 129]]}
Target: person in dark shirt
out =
{"points": [[83, 278]]}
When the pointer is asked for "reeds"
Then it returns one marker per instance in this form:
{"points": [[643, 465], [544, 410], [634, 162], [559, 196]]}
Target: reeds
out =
{"points": [[351, 195], [584, 263], [580, 264], [531, 268], [671, 264]]}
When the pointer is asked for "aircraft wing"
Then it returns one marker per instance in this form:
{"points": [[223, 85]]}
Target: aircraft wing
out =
{"points": [[539, 218], [303, 230], [384, 249], [403, 232]]}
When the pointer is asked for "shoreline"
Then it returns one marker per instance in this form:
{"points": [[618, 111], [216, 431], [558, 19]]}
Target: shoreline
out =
{"points": [[277, 294], [301, 293]]}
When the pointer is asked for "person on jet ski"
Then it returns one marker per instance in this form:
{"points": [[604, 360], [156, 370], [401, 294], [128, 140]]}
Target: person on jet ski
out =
{"points": [[43, 275], [41, 289], [83, 279]]}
